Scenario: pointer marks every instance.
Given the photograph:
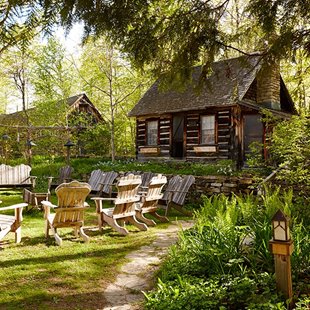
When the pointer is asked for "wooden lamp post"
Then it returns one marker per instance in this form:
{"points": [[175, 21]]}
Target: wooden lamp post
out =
{"points": [[29, 145], [68, 145], [5, 139], [281, 247]]}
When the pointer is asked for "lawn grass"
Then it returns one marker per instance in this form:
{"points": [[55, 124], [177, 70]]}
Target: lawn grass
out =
{"points": [[37, 274]]}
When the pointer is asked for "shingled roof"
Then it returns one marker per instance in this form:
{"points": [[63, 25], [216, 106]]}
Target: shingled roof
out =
{"points": [[227, 85]]}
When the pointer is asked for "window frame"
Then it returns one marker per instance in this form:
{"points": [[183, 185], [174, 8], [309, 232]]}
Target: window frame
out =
{"points": [[147, 132], [214, 128]]}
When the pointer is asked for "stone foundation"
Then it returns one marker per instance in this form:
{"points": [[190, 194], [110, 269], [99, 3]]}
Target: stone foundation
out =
{"points": [[209, 185]]}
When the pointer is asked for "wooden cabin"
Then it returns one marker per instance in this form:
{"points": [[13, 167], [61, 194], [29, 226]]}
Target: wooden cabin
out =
{"points": [[81, 104], [81, 114], [218, 122], [76, 105]]}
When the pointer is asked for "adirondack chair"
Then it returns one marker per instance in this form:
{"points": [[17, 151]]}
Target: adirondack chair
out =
{"points": [[124, 205], [95, 180], [12, 223], [146, 179], [176, 192], [69, 211], [18, 176], [107, 183], [149, 201], [64, 177]]}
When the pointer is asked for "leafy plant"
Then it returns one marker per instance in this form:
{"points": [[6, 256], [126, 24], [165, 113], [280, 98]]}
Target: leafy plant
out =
{"points": [[228, 251]]}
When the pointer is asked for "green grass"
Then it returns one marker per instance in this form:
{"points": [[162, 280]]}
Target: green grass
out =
{"points": [[37, 274]]}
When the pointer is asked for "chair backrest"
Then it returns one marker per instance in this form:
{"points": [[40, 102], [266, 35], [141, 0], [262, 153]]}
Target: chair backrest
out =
{"points": [[172, 186], [181, 191], [71, 197], [65, 173], [72, 194], [15, 175], [154, 192], [96, 177], [107, 181], [127, 194], [155, 187], [146, 178]]}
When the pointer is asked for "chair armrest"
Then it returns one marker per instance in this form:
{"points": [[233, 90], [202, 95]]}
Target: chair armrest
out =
{"points": [[98, 201], [102, 198], [19, 205], [48, 204]]}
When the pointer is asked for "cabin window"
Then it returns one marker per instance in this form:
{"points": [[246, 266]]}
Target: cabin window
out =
{"points": [[207, 134], [152, 132]]}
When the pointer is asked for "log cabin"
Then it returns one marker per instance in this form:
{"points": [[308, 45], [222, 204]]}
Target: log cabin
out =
{"points": [[218, 122]]}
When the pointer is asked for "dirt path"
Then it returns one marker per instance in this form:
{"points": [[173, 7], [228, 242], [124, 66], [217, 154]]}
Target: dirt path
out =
{"points": [[137, 275]]}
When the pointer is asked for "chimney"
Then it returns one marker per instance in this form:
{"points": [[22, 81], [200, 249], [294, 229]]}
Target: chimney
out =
{"points": [[268, 85]]}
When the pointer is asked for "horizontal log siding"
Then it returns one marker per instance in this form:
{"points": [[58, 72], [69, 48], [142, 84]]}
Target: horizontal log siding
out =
{"points": [[224, 128], [224, 136], [141, 133], [164, 139]]}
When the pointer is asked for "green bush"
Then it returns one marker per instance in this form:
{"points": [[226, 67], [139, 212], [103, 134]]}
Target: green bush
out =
{"points": [[226, 255]]}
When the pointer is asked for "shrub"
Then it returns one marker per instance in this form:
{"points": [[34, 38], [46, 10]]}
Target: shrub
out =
{"points": [[226, 254]]}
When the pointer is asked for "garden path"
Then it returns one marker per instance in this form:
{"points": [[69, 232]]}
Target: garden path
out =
{"points": [[137, 275]]}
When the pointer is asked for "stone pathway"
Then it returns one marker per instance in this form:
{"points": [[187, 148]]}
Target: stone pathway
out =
{"points": [[137, 275]]}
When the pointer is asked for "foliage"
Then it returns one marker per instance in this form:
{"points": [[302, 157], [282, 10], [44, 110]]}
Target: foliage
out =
{"points": [[227, 254], [290, 148], [114, 87]]}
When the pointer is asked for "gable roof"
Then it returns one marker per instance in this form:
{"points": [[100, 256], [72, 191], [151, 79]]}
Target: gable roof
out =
{"points": [[81, 99], [73, 102], [227, 85]]}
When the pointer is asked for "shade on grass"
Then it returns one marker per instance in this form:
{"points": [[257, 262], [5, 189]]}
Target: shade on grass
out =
{"points": [[37, 274]]}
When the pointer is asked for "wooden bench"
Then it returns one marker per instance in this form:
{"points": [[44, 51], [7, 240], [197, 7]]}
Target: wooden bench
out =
{"points": [[18, 176]]}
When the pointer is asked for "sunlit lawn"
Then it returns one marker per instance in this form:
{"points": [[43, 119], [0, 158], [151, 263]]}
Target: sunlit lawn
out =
{"points": [[37, 274]]}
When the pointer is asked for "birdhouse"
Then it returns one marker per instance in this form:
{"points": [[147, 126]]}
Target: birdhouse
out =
{"points": [[280, 227]]}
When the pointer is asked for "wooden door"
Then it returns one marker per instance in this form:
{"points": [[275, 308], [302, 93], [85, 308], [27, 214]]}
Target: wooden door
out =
{"points": [[253, 131], [178, 136]]}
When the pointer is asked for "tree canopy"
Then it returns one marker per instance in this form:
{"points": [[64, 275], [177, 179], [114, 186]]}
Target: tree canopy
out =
{"points": [[170, 36]]}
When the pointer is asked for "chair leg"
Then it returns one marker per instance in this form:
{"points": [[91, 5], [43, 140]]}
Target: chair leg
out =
{"points": [[76, 232], [56, 236], [135, 222], [145, 220], [18, 235], [99, 221], [113, 223], [181, 210], [47, 228], [83, 235], [163, 219]]}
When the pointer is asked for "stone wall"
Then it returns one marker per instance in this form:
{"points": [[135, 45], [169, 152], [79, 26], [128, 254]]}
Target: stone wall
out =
{"points": [[209, 185]]}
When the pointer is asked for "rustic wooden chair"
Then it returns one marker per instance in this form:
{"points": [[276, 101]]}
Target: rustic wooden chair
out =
{"points": [[175, 194], [17, 176], [64, 177], [150, 199], [95, 180], [34, 199], [124, 205], [107, 183], [69, 211], [146, 178], [12, 223]]}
